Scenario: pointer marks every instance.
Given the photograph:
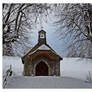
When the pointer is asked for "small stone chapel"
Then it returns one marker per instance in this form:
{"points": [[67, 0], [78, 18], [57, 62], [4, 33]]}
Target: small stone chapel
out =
{"points": [[41, 60]]}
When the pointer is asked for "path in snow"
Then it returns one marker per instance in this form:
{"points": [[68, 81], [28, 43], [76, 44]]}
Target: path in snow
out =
{"points": [[46, 82]]}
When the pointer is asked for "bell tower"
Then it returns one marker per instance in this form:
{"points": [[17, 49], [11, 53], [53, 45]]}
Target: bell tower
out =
{"points": [[42, 37]]}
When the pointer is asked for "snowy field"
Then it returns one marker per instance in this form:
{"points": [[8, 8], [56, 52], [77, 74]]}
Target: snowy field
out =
{"points": [[16, 64], [46, 82], [76, 67], [74, 72]]}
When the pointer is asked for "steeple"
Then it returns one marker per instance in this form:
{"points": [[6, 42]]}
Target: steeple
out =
{"points": [[42, 37]]}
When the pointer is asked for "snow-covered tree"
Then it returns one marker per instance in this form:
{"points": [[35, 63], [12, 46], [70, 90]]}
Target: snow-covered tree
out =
{"points": [[18, 20], [75, 21]]}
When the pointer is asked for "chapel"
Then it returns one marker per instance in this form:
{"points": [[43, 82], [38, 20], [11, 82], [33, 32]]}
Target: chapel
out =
{"points": [[41, 60]]}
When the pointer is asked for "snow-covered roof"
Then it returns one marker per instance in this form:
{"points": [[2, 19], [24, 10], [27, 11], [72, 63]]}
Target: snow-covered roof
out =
{"points": [[43, 47]]}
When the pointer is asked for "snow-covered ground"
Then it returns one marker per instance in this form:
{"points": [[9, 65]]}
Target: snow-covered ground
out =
{"points": [[46, 82], [76, 67], [71, 70], [16, 65]]}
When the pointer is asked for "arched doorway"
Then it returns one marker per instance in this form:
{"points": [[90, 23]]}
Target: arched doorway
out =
{"points": [[41, 69]]}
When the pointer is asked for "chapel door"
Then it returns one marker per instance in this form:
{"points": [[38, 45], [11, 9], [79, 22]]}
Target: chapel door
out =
{"points": [[41, 69]]}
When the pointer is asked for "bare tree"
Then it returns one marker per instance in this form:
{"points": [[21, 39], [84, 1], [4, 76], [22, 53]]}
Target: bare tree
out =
{"points": [[18, 19], [76, 21]]}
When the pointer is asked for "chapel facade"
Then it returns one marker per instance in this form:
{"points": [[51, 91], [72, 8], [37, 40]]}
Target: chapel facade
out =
{"points": [[41, 60]]}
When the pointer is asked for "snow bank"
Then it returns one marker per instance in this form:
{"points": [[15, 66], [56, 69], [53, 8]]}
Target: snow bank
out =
{"points": [[16, 64], [76, 67]]}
